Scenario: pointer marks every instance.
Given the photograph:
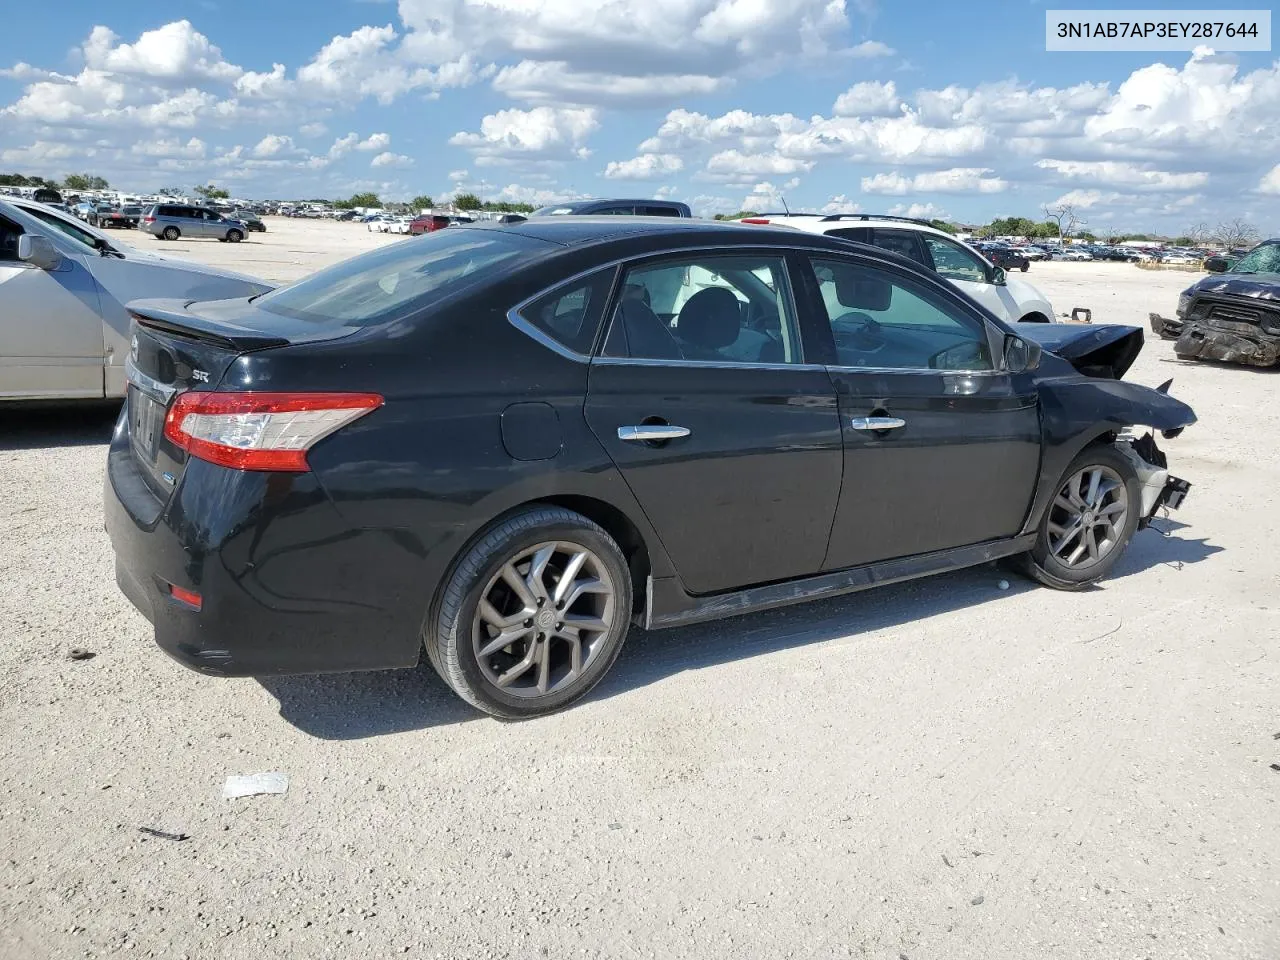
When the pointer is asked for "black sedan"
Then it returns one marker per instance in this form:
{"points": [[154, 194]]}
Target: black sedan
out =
{"points": [[508, 444]]}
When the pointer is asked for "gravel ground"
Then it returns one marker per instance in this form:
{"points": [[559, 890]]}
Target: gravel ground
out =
{"points": [[941, 769]]}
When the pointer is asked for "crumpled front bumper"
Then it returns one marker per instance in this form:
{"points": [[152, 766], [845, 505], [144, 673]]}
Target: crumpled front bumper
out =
{"points": [[1200, 340]]}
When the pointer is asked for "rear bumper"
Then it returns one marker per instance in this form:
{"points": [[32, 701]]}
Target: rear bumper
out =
{"points": [[285, 586]]}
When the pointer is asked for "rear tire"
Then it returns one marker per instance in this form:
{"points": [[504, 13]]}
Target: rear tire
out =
{"points": [[556, 586], [171, 233], [1087, 526]]}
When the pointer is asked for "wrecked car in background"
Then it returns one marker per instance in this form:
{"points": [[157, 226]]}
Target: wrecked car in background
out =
{"points": [[1233, 314]]}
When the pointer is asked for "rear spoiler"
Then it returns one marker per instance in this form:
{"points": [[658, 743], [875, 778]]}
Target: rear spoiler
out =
{"points": [[175, 317]]}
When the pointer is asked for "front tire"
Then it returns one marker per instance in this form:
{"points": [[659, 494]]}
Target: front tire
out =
{"points": [[1089, 522], [234, 236], [1025, 267], [533, 615]]}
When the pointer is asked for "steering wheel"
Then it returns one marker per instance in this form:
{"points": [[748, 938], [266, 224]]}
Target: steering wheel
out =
{"points": [[860, 332], [763, 318]]}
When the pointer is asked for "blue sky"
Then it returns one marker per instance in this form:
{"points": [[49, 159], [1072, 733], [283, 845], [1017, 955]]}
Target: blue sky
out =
{"points": [[923, 108]]}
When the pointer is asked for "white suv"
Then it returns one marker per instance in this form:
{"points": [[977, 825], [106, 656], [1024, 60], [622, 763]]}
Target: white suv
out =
{"points": [[1009, 298]]}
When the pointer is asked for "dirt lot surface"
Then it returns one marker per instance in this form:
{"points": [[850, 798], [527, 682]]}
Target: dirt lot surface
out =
{"points": [[942, 769]]}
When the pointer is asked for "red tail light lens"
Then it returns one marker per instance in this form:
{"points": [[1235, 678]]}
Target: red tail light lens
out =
{"points": [[261, 431], [189, 597], [148, 219], [753, 220]]}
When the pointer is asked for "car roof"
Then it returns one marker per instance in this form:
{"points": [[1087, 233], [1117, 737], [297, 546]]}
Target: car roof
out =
{"points": [[571, 231]]}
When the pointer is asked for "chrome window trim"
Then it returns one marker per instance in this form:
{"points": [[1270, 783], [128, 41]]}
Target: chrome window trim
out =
{"points": [[713, 364]]}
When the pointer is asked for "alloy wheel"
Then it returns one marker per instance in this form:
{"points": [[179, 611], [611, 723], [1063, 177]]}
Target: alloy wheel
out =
{"points": [[542, 619], [1087, 518]]}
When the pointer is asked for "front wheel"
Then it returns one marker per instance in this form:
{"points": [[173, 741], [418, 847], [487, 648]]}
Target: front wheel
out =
{"points": [[234, 236], [1025, 267], [1089, 522], [533, 615]]}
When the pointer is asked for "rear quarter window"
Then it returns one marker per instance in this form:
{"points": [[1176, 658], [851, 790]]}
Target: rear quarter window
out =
{"points": [[571, 314]]}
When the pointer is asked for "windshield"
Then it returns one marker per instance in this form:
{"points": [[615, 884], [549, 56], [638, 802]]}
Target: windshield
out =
{"points": [[1261, 259], [552, 211], [393, 281]]}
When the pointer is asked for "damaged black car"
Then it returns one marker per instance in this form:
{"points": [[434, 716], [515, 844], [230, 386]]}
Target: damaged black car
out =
{"points": [[504, 446], [1231, 315]]}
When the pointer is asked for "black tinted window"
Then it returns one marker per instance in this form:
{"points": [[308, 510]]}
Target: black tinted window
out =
{"points": [[570, 314], [399, 279], [901, 242], [658, 211], [733, 309]]}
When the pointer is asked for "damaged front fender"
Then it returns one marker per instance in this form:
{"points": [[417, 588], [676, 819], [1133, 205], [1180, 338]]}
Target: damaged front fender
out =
{"points": [[1077, 411]]}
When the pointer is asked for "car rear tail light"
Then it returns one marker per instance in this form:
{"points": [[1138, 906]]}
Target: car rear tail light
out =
{"points": [[753, 220], [260, 431], [189, 597], [148, 219]]}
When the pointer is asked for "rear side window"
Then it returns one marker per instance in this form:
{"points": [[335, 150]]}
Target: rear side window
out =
{"points": [[570, 314], [396, 280], [658, 211], [902, 242]]}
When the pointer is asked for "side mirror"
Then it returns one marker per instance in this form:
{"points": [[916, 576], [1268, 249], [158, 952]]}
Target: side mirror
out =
{"points": [[38, 251], [1216, 265], [998, 276], [1020, 356]]}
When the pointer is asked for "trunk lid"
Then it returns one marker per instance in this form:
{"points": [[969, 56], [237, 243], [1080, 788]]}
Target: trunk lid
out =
{"points": [[181, 345]]}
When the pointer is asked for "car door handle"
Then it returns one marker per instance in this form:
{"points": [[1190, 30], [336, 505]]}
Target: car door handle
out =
{"points": [[877, 423], [652, 431]]}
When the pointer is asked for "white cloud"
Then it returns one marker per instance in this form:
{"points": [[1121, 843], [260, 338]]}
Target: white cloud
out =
{"points": [[734, 166], [193, 149], [457, 176], [538, 196], [42, 152], [313, 130], [697, 45], [1084, 199], [1271, 182], [543, 133], [840, 204], [556, 82], [273, 145], [868, 99], [176, 52], [376, 141], [870, 49], [953, 180], [920, 211], [764, 196], [389, 159], [1122, 174], [647, 166]]}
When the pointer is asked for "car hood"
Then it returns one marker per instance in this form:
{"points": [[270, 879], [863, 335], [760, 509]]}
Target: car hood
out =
{"points": [[1106, 351], [192, 268], [1257, 286]]}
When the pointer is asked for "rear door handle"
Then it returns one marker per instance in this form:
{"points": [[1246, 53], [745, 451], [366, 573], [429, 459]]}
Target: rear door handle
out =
{"points": [[877, 423], [652, 431]]}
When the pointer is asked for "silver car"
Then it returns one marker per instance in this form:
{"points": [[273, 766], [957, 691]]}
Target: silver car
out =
{"points": [[64, 330], [169, 221]]}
